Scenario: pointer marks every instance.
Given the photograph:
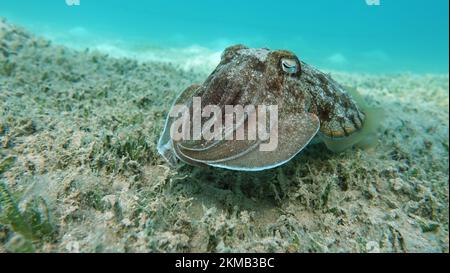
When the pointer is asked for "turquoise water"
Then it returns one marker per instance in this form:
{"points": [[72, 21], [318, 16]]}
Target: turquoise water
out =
{"points": [[349, 35]]}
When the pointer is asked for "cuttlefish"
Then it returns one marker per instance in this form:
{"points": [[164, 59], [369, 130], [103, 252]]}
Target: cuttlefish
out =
{"points": [[311, 108]]}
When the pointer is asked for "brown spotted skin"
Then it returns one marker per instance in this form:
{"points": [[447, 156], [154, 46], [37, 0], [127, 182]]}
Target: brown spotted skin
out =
{"points": [[339, 115], [255, 76]]}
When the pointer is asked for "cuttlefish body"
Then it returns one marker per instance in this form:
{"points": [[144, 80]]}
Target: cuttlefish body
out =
{"points": [[311, 106]]}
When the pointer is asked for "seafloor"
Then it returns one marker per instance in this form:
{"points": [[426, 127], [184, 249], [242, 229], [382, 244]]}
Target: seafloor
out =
{"points": [[79, 171]]}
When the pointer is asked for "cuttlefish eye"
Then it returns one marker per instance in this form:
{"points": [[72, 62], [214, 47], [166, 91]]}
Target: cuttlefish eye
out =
{"points": [[289, 66]]}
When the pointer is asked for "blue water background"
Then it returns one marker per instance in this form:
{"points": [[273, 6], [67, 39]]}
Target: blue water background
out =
{"points": [[396, 36]]}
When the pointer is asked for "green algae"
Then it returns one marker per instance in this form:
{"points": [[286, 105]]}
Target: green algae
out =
{"points": [[29, 226]]}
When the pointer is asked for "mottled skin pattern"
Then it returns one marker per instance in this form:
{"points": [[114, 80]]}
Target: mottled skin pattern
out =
{"points": [[309, 103], [255, 76], [338, 113]]}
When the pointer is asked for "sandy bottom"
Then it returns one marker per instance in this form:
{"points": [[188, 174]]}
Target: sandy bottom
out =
{"points": [[79, 171]]}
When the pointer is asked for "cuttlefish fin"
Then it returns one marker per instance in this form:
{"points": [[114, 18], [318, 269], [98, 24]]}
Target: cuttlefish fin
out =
{"points": [[294, 133], [225, 150], [203, 145], [364, 138], [165, 143], [222, 149], [227, 146]]}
